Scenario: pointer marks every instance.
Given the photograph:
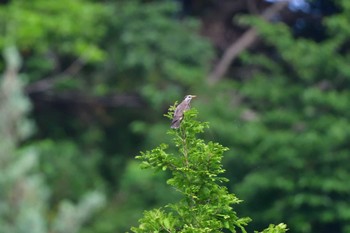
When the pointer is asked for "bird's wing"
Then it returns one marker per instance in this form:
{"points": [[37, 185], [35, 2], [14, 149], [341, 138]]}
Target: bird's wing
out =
{"points": [[178, 114], [179, 111]]}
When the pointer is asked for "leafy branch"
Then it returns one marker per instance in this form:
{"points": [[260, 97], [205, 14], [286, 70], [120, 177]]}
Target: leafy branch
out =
{"points": [[206, 205]]}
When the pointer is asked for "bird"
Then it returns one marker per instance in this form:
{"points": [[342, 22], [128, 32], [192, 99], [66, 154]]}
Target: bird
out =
{"points": [[179, 111]]}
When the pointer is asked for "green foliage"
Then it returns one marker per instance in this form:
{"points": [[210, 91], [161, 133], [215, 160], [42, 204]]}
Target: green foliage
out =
{"points": [[133, 198], [291, 129], [71, 217], [155, 49], [275, 229], [24, 195], [286, 119], [206, 205], [95, 48], [40, 25], [61, 161]]}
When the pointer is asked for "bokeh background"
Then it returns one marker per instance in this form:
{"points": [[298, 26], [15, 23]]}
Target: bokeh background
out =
{"points": [[85, 84]]}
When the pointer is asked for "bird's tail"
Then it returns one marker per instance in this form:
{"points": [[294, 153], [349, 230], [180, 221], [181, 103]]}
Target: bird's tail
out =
{"points": [[175, 124]]}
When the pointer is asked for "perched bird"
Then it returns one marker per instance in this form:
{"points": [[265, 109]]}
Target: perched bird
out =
{"points": [[179, 111]]}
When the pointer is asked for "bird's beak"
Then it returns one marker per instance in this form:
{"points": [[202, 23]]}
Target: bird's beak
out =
{"points": [[193, 96]]}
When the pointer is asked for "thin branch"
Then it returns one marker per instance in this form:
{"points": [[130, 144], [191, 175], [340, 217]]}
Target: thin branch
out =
{"points": [[244, 42], [47, 83], [116, 100]]}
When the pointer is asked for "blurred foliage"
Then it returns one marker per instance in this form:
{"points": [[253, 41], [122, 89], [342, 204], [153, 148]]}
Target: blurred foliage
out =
{"points": [[62, 162], [139, 190], [291, 129], [39, 26], [154, 52], [109, 70], [24, 195], [131, 47]]}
